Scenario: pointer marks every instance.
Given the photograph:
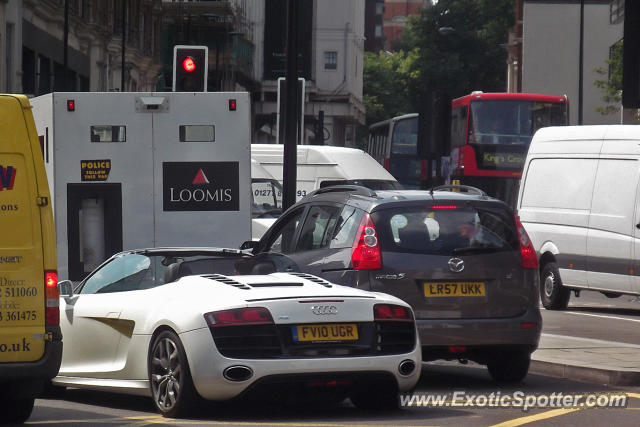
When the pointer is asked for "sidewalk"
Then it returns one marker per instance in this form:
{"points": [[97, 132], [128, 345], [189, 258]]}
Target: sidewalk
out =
{"points": [[590, 360]]}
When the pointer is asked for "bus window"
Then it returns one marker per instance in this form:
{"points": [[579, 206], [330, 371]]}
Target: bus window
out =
{"points": [[458, 126], [405, 137], [512, 122]]}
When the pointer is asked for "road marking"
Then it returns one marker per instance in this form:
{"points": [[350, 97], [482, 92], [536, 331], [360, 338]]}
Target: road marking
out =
{"points": [[603, 316], [533, 418], [146, 420], [174, 422], [567, 338], [140, 419]]}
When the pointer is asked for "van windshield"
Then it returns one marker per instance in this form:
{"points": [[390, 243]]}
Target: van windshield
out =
{"points": [[266, 197]]}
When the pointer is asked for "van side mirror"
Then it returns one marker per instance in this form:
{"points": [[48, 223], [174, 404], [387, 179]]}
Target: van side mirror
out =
{"points": [[65, 288], [249, 244]]}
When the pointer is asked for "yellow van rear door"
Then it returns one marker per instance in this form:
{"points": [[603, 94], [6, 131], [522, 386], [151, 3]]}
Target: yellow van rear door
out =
{"points": [[22, 298]]}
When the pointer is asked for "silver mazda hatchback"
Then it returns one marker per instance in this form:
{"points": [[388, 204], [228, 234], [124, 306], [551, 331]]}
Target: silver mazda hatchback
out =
{"points": [[460, 258]]}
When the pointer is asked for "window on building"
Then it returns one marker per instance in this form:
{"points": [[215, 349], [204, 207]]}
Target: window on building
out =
{"points": [[379, 7], [331, 60], [28, 71], [44, 75], [58, 77], [616, 11], [8, 59], [378, 30]]}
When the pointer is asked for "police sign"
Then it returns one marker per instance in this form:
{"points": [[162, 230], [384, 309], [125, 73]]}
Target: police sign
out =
{"points": [[95, 170]]}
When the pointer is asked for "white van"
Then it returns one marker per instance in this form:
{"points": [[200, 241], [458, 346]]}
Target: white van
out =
{"points": [[579, 202], [320, 165], [266, 200], [133, 170]]}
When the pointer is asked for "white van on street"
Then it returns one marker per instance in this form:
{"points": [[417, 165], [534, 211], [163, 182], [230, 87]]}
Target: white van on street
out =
{"points": [[579, 202], [266, 200], [320, 165]]}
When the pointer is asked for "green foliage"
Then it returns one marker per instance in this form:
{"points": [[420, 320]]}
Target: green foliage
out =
{"points": [[385, 91], [468, 58], [611, 82]]}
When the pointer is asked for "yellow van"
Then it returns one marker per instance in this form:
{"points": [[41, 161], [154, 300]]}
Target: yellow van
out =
{"points": [[30, 338]]}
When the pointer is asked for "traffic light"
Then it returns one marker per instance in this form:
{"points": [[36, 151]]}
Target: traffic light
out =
{"points": [[190, 66]]}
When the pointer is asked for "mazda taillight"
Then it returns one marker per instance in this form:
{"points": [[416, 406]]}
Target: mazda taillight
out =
{"points": [[366, 248], [239, 316], [392, 312], [527, 252], [52, 302]]}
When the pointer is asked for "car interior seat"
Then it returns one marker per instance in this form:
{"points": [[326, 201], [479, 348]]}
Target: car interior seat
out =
{"points": [[414, 235]]}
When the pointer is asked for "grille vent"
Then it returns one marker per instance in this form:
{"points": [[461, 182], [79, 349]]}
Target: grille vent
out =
{"points": [[227, 281], [312, 278]]}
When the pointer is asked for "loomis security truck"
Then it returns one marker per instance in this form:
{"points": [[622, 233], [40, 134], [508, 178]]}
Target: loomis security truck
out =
{"points": [[30, 339], [133, 170]]}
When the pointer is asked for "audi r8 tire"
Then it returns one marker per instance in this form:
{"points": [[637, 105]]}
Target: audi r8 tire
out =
{"points": [[554, 296], [172, 388], [376, 399], [510, 366], [16, 411]]}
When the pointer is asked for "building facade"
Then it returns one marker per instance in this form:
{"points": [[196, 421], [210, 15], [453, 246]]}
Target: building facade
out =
{"points": [[246, 41], [33, 44], [373, 21], [396, 15], [331, 52], [551, 52]]}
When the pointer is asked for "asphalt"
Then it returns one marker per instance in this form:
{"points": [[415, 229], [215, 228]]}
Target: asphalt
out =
{"points": [[589, 360]]}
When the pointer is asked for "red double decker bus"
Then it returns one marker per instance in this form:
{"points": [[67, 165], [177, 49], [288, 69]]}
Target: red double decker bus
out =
{"points": [[490, 136]]}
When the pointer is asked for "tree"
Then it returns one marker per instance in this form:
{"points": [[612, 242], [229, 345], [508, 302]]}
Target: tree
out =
{"points": [[433, 66], [468, 56], [611, 82], [385, 89]]}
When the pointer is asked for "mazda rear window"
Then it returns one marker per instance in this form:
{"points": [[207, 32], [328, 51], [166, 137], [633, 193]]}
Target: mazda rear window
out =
{"points": [[446, 230]]}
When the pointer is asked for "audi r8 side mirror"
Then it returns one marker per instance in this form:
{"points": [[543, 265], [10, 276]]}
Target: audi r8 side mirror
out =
{"points": [[65, 288], [249, 244]]}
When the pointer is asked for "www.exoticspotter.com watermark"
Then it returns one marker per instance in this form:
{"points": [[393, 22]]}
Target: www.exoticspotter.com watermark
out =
{"points": [[517, 399]]}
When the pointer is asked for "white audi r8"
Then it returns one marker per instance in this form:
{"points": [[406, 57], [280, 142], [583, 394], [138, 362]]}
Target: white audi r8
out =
{"points": [[177, 324]]}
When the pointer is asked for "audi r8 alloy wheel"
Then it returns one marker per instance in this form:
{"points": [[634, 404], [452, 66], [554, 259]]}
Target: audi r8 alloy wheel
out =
{"points": [[171, 385]]}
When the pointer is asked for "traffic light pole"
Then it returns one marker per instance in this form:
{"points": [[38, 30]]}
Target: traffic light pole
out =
{"points": [[291, 117], [581, 63], [124, 36]]}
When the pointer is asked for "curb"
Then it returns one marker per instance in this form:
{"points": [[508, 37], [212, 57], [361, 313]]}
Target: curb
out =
{"points": [[585, 373]]}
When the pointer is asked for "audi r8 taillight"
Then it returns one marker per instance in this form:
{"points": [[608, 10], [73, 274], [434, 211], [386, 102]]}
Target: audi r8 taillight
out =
{"points": [[239, 316]]}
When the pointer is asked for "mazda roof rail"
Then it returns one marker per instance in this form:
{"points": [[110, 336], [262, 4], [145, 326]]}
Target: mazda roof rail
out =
{"points": [[355, 189], [458, 187]]}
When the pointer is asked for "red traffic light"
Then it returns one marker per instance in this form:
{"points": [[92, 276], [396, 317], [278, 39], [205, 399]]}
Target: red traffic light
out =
{"points": [[188, 64]]}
